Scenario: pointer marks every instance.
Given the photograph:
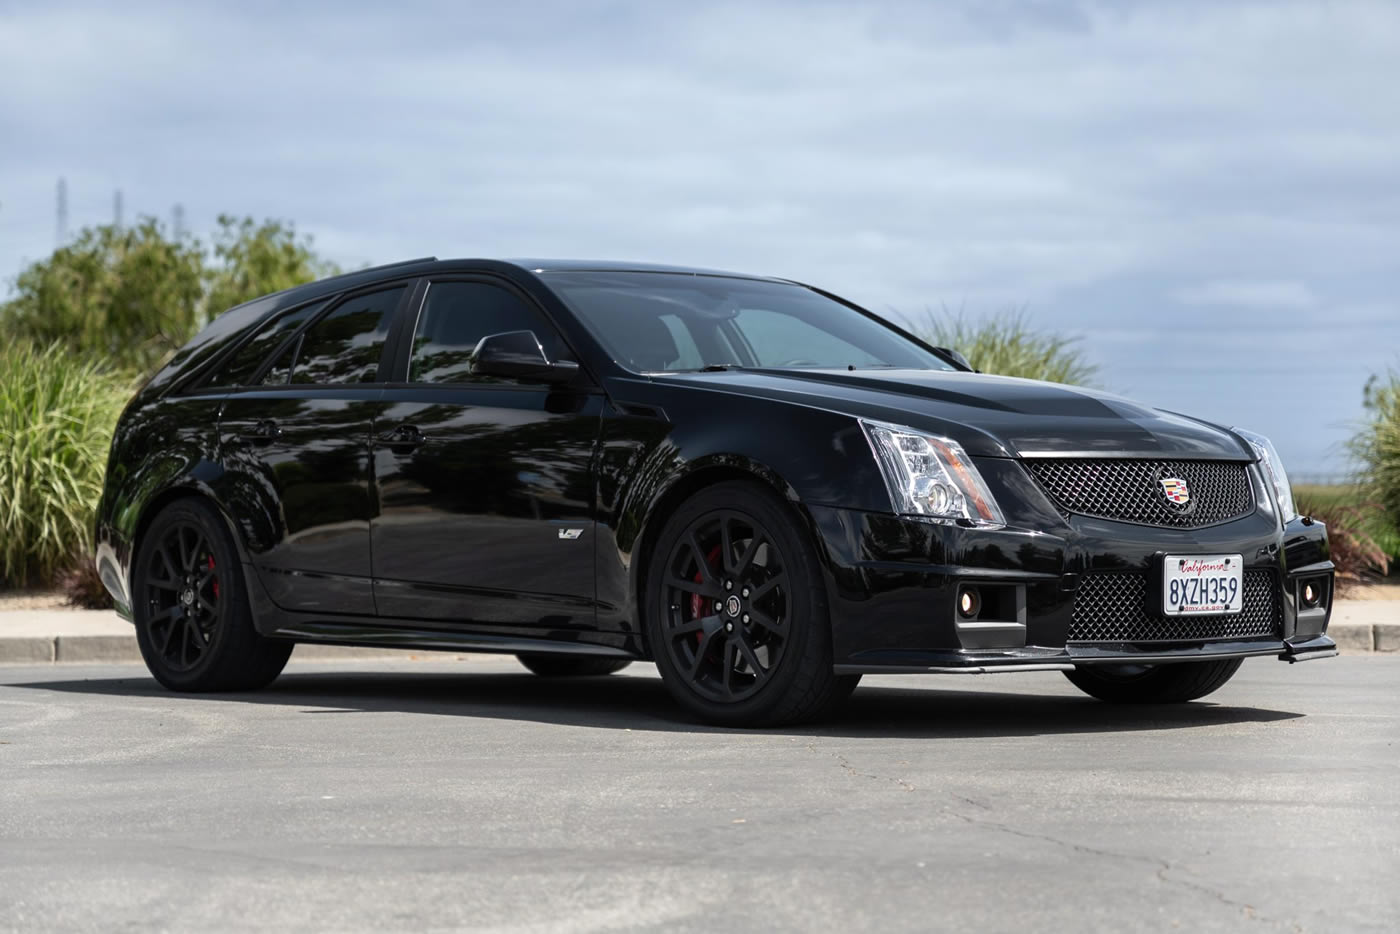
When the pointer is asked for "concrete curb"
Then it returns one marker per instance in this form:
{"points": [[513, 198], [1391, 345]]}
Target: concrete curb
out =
{"points": [[1352, 639], [107, 649]]}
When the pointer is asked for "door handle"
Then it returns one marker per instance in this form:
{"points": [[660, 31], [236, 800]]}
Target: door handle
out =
{"points": [[263, 432], [403, 438]]}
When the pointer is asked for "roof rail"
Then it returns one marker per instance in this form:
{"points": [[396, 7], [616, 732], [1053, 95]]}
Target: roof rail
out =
{"points": [[361, 272]]}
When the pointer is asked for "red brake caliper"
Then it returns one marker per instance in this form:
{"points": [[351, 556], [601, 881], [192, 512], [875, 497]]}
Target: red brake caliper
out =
{"points": [[214, 580], [697, 602]]}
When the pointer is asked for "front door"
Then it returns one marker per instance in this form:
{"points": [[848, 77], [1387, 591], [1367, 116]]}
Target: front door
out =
{"points": [[296, 455], [484, 484]]}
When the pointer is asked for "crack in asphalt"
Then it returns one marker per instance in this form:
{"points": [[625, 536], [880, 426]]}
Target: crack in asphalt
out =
{"points": [[845, 764], [1162, 867]]}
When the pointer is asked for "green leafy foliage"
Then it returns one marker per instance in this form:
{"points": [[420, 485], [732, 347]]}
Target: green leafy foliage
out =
{"points": [[125, 296], [57, 411], [1376, 446], [1357, 532], [131, 296], [255, 259], [1006, 344]]}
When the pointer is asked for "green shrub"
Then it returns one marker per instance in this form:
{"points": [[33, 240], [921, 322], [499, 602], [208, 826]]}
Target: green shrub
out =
{"points": [[82, 586], [1007, 345], [1377, 446], [124, 295], [57, 411], [1357, 533], [131, 296]]}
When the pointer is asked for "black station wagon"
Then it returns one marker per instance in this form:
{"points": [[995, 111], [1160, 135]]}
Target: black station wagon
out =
{"points": [[759, 486]]}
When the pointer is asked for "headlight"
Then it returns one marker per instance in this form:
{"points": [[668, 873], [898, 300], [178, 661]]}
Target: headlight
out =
{"points": [[1272, 466], [931, 477]]}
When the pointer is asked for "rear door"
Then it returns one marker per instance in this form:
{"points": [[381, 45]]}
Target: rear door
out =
{"points": [[296, 451], [484, 484]]}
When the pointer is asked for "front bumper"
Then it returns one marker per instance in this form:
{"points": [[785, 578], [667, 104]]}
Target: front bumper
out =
{"points": [[893, 584], [1039, 658]]}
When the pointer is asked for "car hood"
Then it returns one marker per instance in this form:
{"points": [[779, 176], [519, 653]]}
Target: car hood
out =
{"points": [[991, 416]]}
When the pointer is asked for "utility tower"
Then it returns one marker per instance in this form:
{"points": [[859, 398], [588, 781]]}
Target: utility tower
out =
{"points": [[61, 225], [177, 222], [117, 209]]}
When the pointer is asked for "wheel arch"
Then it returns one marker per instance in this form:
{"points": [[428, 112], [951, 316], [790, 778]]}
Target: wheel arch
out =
{"points": [[189, 490], [702, 475]]}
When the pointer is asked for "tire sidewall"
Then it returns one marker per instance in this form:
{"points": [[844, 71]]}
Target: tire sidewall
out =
{"points": [[233, 612], [806, 610]]}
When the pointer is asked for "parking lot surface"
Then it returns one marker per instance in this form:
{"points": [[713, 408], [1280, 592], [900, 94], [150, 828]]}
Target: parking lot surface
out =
{"points": [[419, 795]]}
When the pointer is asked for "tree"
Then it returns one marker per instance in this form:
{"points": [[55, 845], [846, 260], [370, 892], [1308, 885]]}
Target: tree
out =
{"points": [[1005, 344], [131, 296], [126, 296], [255, 259]]}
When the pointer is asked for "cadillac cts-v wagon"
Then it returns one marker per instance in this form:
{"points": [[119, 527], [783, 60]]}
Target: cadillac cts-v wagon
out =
{"points": [[756, 485]]}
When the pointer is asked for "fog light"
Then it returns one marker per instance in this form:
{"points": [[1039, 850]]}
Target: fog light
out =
{"points": [[1312, 595], [968, 602]]}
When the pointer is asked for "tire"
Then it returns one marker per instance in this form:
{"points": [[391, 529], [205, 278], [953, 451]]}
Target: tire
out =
{"points": [[571, 666], [193, 622], [1154, 684], [759, 652]]}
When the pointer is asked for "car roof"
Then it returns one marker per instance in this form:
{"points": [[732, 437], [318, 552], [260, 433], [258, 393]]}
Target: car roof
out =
{"points": [[429, 265], [594, 265]]}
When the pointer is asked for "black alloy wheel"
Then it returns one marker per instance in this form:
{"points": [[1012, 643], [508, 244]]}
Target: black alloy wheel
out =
{"points": [[193, 624], [182, 595], [727, 605], [737, 615]]}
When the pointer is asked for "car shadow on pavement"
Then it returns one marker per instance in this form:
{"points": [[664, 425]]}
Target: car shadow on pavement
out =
{"points": [[641, 703]]}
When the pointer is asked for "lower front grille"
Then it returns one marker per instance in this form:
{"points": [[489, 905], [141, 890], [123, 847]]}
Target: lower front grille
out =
{"points": [[1114, 606]]}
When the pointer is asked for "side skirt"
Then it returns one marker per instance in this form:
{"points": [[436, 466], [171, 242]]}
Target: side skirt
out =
{"points": [[396, 637]]}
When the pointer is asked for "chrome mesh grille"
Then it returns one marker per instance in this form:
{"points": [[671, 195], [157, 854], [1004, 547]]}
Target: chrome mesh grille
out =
{"points": [[1114, 606], [1132, 491]]}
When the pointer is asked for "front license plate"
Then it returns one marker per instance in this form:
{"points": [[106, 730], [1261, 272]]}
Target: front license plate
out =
{"points": [[1202, 585]]}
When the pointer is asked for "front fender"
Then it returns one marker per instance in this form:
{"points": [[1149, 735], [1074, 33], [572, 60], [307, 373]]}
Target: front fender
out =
{"points": [[666, 442]]}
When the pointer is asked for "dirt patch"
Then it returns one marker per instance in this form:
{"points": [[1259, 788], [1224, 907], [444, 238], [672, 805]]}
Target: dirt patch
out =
{"points": [[31, 599], [1373, 592]]}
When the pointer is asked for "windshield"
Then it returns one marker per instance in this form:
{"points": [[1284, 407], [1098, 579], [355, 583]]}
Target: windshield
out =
{"points": [[652, 321]]}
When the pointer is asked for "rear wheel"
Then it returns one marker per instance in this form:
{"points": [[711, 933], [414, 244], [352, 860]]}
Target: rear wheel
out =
{"points": [[193, 623], [1154, 684], [736, 612], [571, 666]]}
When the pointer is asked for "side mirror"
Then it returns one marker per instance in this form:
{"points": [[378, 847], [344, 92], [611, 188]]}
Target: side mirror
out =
{"points": [[956, 356], [518, 355]]}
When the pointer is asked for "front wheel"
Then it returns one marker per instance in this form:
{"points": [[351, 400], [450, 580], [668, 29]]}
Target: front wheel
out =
{"points": [[736, 613], [1154, 684]]}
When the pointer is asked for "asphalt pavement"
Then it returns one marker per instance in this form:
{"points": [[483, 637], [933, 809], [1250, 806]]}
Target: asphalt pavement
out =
{"points": [[426, 795]]}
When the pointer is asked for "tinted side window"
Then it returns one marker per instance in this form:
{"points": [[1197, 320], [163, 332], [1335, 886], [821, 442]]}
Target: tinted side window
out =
{"points": [[239, 369], [457, 315], [344, 346], [281, 370]]}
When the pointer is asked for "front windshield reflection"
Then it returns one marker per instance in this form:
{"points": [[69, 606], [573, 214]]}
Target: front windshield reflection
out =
{"points": [[652, 322]]}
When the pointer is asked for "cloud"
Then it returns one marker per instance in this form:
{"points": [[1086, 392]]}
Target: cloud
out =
{"points": [[1106, 164], [1250, 293]]}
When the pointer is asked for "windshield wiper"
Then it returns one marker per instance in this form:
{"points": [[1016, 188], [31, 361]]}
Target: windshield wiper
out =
{"points": [[719, 367]]}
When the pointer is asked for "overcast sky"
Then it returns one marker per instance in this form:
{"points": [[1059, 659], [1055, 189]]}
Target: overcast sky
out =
{"points": [[1208, 193]]}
